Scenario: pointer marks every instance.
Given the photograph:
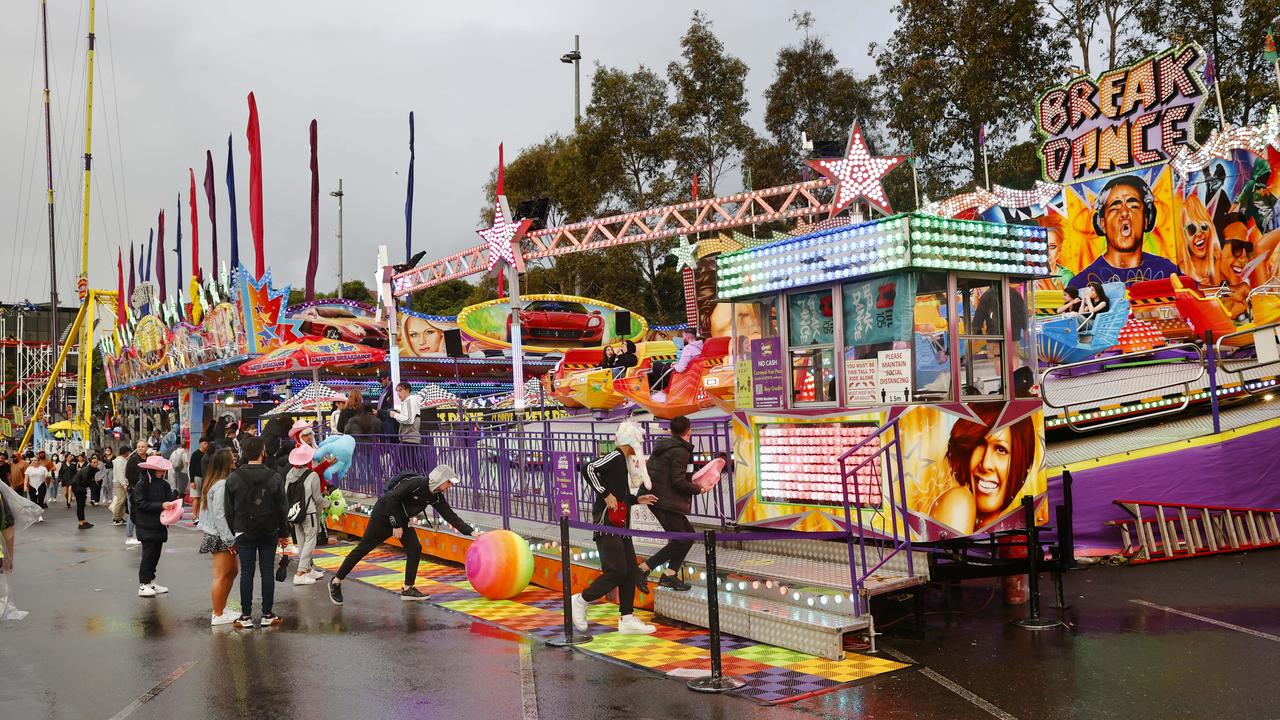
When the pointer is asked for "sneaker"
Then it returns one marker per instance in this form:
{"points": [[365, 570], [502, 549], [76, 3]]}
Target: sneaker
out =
{"points": [[335, 593], [675, 583], [414, 593], [270, 619], [244, 621], [290, 550], [632, 625], [160, 589], [116, 522], [658, 397], [304, 579], [227, 617], [317, 574], [282, 568], [146, 590], [132, 541], [579, 612], [86, 525]]}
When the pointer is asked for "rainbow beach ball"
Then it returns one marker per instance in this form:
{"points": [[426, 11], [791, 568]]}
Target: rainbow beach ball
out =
{"points": [[499, 564]]}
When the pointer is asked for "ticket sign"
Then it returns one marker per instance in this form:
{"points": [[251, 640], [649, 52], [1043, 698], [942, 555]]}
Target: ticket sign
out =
{"points": [[893, 376], [563, 485], [768, 381]]}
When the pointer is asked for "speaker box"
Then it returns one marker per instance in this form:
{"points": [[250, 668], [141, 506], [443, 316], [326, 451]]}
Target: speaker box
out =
{"points": [[453, 343], [622, 324]]}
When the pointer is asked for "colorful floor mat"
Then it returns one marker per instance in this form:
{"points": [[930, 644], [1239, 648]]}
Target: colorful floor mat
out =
{"points": [[771, 675]]}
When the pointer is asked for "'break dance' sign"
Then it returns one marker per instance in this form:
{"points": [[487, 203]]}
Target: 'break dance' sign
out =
{"points": [[1128, 117]]}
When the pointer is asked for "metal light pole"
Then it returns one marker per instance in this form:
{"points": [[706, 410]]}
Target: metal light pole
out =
{"points": [[338, 194], [575, 58]]}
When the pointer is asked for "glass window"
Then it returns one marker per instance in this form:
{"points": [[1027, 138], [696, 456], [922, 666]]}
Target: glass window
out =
{"points": [[876, 317], [981, 312], [811, 347], [1024, 339], [930, 345], [813, 375], [810, 320]]}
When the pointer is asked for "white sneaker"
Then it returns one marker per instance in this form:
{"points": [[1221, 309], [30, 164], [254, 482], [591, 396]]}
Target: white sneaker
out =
{"points": [[160, 588], [632, 625], [579, 612], [658, 397], [291, 550], [317, 574], [146, 591], [304, 579], [133, 541], [227, 617]]}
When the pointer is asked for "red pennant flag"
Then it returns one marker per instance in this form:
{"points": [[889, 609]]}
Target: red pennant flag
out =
{"points": [[195, 230], [120, 316], [313, 259], [255, 187]]}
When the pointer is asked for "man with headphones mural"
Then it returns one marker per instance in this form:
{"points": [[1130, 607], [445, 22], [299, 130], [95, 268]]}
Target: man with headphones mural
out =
{"points": [[1124, 212]]}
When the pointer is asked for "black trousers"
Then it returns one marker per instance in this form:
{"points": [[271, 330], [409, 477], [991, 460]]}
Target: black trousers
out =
{"points": [[37, 495], [618, 560], [150, 558], [376, 533], [659, 377], [675, 551], [262, 553], [80, 500], [95, 492]]}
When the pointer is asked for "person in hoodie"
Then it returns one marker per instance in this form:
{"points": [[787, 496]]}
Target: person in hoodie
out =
{"points": [[255, 511], [390, 518], [306, 525], [148, 498], [670, 468], [616, 479]]}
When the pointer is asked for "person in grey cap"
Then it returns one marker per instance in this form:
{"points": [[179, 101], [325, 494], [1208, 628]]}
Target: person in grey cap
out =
{"points": [[406, 496]]}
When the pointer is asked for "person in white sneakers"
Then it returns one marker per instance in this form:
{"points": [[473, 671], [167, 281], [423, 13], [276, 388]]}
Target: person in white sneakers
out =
{"points": [[616, 480], [303, 504], [219, 542], [148, 497]]}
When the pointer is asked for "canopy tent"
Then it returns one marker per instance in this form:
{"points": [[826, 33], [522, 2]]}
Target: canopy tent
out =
{"points": [[313, 354]]}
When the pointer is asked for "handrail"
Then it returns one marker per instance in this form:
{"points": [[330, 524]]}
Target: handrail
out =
{"points": [[897, 508], [1185, 385], [1217, 348]]}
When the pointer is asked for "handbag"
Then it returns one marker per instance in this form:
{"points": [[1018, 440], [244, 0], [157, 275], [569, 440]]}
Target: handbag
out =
{"points": [[617, 517]]}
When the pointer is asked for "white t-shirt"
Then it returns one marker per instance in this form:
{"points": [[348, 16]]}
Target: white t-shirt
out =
{"points": [[37, 475], [117, 470]]}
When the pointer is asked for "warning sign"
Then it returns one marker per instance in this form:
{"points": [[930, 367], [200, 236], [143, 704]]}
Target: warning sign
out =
{"points": [[893, 376], [860, 382]]}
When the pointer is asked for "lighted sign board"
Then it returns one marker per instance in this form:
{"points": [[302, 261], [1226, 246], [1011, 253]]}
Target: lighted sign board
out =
{"points": [[1129, 117], [798, 464]]}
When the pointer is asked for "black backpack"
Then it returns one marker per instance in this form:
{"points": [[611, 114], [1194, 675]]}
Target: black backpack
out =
{"points": [[296, 500], [397, 480], [262, 510]]}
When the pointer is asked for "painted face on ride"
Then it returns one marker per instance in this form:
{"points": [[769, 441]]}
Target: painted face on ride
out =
{"points": [[1197, 230], [1124, 218], [989, 467], [422, 338], [1235, 254], [1055, 247]]}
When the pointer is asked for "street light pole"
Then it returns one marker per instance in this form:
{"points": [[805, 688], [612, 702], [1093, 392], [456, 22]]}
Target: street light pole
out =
{"points": [[575, 57], [338, 194]]}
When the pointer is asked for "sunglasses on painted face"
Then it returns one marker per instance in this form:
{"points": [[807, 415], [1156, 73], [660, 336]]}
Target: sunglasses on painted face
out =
{"points": [[1192, 228]]}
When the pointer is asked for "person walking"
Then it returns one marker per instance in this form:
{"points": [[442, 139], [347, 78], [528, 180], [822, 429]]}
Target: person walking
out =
{"points": [[36, 475], [390, 518], [119, 485], [305, 503], [196, 467], [132, 474], [102, 481], [406, 414], [180, 478], [219, 542], [67, 477], [616, 479], [83, 483], [255, 508], [148, 498], [670, 467]]}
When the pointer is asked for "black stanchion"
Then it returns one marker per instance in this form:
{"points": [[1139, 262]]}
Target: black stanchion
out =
{"points": [[1035, 553], [1066, 530], [717, 682], [1064, 559], [570, 637]]}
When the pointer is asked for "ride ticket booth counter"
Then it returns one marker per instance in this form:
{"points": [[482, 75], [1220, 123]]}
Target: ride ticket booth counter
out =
{"points": [[911, 331]]}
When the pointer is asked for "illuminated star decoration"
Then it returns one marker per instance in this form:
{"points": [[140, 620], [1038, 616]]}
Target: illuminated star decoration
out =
{"points": [[857, 174], [501, 237], [686, 254]]}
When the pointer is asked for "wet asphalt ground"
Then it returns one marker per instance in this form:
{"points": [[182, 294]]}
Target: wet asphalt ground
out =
{"points": [[1187, 639]]}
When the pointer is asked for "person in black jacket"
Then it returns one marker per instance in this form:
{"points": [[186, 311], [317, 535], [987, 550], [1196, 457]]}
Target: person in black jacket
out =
{"points": [[148, 497], [390, 518], [256, 516], [611, 477], [670, 467], [625, 359], [83, 483]]}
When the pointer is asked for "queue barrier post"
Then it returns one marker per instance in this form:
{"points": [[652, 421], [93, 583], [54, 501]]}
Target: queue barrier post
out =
{"points": [[570, 636], [1035, 553], [716, 682]]}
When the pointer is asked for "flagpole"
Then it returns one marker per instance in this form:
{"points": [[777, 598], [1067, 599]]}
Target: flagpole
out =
{"points": [[915, 182], [1222, 116], [1277, 64], [986, 171]]}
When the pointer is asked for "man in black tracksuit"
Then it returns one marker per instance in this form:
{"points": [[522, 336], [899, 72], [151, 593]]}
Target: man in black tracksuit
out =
{"points": [[256, 516], [390, 518], [83, 482], [670, 466]]}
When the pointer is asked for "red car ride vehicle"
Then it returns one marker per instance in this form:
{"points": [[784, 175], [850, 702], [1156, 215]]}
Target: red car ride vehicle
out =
{"points": [[340, 323], [559, 322]]}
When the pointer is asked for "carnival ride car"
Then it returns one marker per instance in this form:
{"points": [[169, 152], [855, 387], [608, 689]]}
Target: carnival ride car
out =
{"points": [[338, 323], [685, 391], [579, 381], [1072, 337], [560, 322]]}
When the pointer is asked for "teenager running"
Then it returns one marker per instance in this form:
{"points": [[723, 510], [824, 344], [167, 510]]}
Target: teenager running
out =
{"points": [[670, 468], [255, 507], [219, 542], [148, 498], [390, 518]]}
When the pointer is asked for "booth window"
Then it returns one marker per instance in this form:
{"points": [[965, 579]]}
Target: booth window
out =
{"points": [[930, 340], [811, 347], [1022, 332], [981, 313]]}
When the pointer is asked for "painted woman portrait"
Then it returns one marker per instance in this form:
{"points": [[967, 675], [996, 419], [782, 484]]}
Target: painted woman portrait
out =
{"points": [[989, 468], [419, 337], [1200, 242]]}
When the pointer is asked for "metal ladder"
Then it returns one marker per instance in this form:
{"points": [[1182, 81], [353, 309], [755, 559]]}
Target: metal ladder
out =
{"points": [[1168, 531]]}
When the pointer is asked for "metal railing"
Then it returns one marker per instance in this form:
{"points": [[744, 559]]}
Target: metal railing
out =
{"points": [[1190, 372]]}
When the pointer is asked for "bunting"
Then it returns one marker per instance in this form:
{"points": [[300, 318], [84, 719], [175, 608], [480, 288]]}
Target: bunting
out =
{"points": [[231, 197], [255, 187], [313, 258], [213, 207]]}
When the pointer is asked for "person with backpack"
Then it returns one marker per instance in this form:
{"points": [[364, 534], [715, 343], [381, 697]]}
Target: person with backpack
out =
{"points": [[148, 498], [304, 503], [255, 509], [405, 496]]}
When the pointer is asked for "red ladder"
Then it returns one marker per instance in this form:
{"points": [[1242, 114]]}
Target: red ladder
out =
{"points": [[1168, 531]]}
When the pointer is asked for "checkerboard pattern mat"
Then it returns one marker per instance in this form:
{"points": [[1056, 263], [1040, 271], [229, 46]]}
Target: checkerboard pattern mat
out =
{"points": [[772, 675]]}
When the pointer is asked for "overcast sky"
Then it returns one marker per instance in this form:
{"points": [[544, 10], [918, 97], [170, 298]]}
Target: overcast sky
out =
{"points": [[171, 81]]}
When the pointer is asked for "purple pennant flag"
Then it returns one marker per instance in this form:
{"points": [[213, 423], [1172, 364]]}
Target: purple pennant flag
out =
{"points": [[151, 239], [408, 200], [213, 205], [982, 135], [178, 244], [131, 274], [1210, 72], [231, 196], [142, 264], [160, 258]]}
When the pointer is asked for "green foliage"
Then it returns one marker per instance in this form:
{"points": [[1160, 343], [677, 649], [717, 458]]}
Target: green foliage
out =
{"points": [[447, 298], [628, 135]]}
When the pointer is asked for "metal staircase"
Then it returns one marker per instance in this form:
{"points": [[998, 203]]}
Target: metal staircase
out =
{"points": [[1168, 531]]}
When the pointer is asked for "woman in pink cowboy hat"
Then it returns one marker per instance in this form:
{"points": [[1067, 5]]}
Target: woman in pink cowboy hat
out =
{"points": [[304, 505], [150, 497]]}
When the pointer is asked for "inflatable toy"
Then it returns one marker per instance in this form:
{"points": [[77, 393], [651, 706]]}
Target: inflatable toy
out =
{"points": [[708, 475], [337, 505], [499, 564], [172, 513], [336, 450]]}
